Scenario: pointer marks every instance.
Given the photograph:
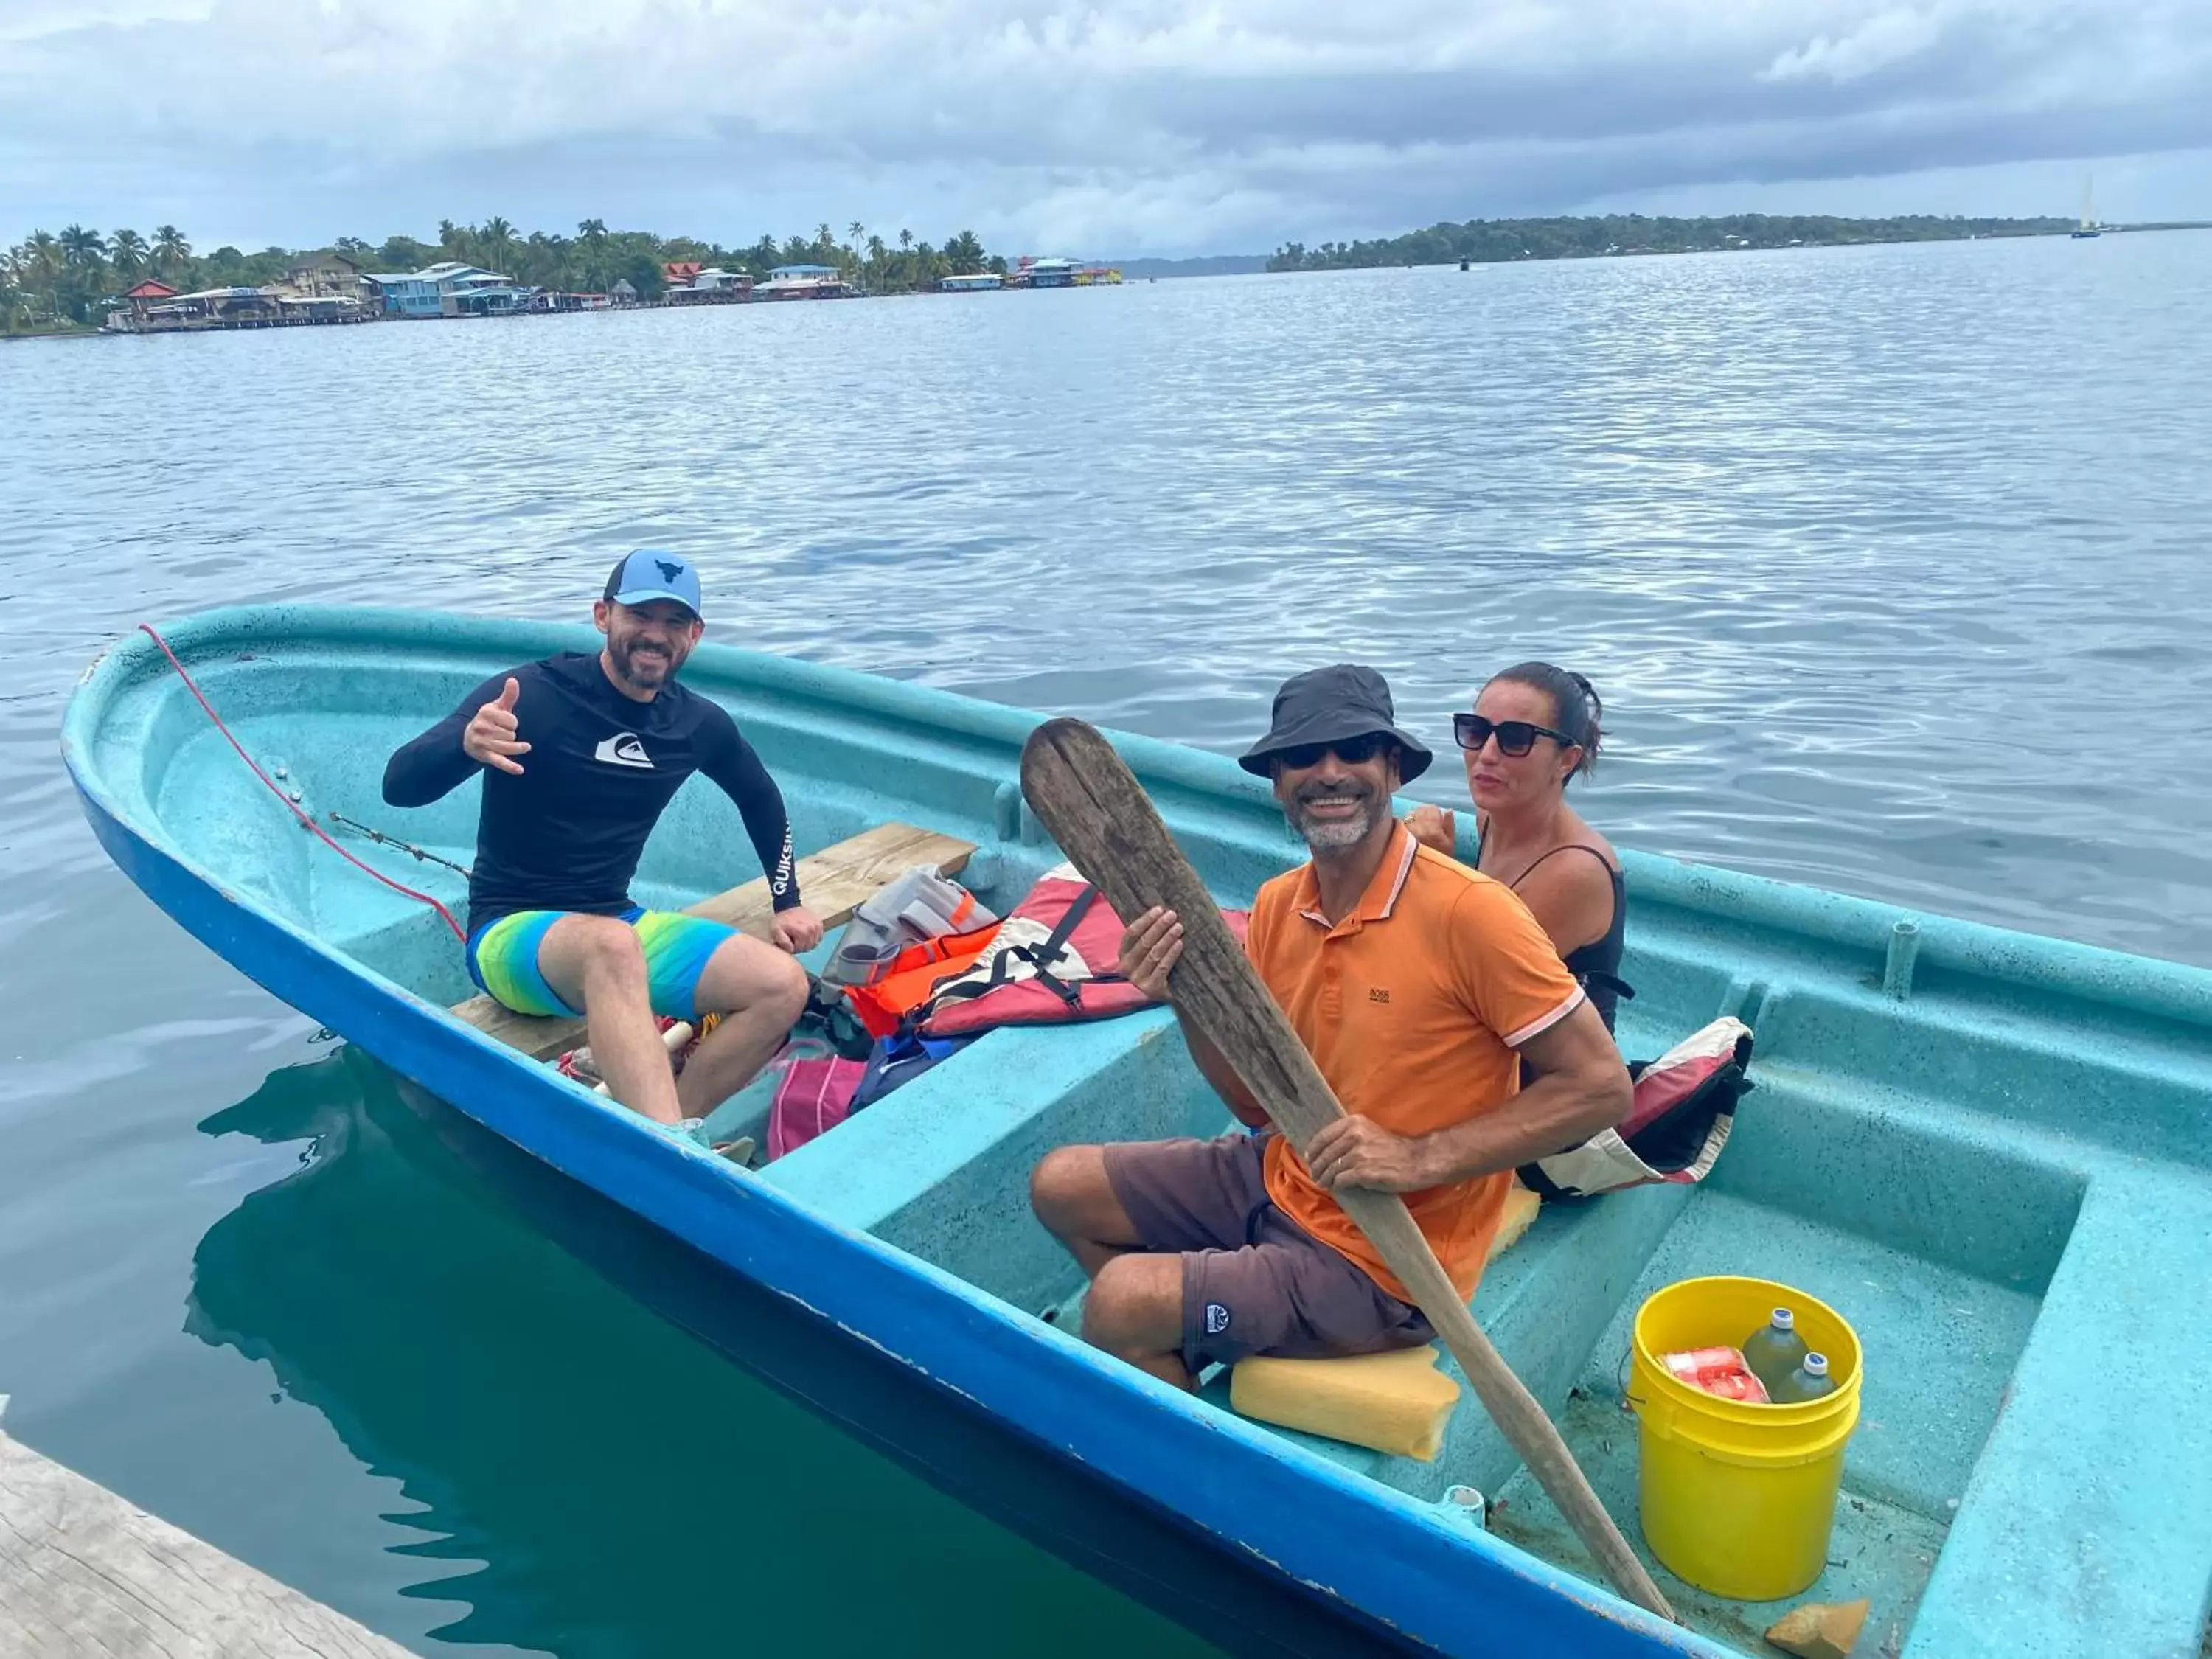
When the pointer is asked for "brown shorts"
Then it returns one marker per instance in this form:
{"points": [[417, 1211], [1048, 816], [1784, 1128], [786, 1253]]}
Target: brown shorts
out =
{"points": [[1253, 1281]]}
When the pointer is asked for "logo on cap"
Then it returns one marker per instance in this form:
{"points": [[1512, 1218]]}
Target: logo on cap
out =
{"points": [[669, 572]]}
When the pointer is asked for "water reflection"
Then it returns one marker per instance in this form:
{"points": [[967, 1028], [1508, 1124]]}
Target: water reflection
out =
{"points": [[584, 1477]]}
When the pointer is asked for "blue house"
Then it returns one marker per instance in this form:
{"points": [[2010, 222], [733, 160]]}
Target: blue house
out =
{"points": [[406, 296], [448, 289]]}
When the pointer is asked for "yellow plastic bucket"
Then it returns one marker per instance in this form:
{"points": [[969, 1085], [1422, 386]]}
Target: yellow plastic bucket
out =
{"points": [[1738, 1499]]}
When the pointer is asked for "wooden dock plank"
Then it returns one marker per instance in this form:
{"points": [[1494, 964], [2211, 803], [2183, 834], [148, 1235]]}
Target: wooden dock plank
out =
{"points": [[84, 1571], [835, 883]]}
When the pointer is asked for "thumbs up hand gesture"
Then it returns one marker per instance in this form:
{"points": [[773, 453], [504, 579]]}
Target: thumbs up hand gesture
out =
{"points": [[490, 738]]}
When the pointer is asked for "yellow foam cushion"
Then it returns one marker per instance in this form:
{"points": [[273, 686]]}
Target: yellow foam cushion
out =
{"points": [[1521, 1207], [1395, 1402]]}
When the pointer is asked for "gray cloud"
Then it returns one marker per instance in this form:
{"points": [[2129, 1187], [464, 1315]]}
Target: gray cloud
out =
{"points": [[1122, 126]]}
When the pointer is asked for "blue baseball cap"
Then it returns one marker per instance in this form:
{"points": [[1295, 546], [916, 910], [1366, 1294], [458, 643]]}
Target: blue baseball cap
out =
{"points": [[652, 572]]}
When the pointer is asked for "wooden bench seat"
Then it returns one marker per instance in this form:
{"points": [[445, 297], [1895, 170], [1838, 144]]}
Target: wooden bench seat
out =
{"points": [[835, 882]]}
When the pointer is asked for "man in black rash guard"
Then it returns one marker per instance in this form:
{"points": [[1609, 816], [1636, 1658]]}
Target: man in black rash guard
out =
{"points": [[580, 755]]}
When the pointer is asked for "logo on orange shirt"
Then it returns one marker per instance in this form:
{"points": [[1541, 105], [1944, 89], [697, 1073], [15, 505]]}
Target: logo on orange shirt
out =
{"points": [[1378, 994]]}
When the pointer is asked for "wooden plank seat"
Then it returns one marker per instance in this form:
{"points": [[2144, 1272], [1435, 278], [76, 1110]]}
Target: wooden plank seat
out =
{"points": [[835, 882]]}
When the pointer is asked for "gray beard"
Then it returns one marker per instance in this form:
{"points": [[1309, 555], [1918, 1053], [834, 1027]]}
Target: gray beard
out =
{"points": [[1336, 836]]}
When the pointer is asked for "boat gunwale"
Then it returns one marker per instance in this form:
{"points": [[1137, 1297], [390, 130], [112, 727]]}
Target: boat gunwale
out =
{"points": [[2095, 975]]}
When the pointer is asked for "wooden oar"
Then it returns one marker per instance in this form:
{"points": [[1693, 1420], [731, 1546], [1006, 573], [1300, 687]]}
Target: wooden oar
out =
{"points": [[1098, 812]]}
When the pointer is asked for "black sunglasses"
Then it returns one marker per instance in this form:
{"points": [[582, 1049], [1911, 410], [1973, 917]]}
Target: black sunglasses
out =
{"points": [[1515, 738], [1352, 751]]}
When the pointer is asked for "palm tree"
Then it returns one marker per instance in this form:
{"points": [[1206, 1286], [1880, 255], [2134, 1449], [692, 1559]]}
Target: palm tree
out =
{"points": [[964, 252], [127, 250], [84, 271], [81, 246], [905, 240], [593, 272], [42, 259], [171, 250], [39, 273], [496, 241]]}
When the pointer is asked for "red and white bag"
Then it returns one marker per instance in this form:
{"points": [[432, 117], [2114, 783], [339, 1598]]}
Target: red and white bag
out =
{"points": [[1053, 961], [1717, 1372], [1684, 1107]]}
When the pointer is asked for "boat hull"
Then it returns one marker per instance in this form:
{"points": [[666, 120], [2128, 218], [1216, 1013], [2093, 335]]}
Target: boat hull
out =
{"points": [[1383, 1567]]}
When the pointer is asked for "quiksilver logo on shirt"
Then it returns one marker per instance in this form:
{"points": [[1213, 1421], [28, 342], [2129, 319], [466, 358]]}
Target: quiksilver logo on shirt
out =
{"points": [[623, 749]]}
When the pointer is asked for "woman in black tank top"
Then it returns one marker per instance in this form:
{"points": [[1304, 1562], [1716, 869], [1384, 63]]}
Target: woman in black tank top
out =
{"points": [[1533, 729]]}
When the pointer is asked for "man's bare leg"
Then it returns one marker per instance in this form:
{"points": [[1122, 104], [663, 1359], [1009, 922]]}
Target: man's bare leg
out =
{"points": [[595, 964], [1133, 1309], [1072, 1196], [1134, 1312], [760, 992]]}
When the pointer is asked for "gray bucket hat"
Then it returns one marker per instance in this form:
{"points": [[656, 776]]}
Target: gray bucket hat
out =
{"points": [[1330, 705]]}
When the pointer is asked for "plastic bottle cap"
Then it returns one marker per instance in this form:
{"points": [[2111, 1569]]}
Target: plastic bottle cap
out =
{"points": [[1783, 1319], [1816, 1365]]}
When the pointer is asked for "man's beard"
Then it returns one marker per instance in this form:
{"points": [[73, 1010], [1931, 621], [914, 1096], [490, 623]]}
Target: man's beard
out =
{"points": [[1333, 835], [656, 670]]}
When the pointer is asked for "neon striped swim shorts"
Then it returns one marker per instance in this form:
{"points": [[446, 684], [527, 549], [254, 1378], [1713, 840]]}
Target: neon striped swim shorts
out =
{"points": [[502, 958]]}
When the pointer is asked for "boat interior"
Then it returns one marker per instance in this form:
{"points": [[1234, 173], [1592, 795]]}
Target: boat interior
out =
{"points": [[1989, 1153]]}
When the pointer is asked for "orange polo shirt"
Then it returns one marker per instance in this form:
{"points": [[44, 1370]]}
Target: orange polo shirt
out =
{"points": [[1413, 1007]]}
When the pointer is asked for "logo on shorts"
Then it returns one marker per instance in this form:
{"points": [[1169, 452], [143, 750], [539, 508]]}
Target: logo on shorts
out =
{"points": [[1217, 1319], [623, 749]]}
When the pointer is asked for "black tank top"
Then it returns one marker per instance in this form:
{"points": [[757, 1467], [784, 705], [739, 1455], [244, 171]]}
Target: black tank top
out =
{"points": [[1596, 964]]}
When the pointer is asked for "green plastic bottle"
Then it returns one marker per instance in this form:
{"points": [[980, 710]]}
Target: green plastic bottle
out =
{"points": [[1775, 1350], [1810, 1381]]}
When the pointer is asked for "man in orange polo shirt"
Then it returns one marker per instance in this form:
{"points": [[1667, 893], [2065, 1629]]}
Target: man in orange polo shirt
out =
{"points": [[1419, 986]]}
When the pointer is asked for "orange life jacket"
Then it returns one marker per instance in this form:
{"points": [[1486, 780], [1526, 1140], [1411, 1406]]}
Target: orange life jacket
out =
{"points": [[906, 985]]}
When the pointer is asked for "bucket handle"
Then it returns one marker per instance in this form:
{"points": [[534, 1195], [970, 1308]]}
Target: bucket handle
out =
{"points": [[1660, 1425]]}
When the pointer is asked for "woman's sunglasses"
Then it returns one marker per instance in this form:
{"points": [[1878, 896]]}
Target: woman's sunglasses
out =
{"points": [[1352, 751], [1515, 738]]}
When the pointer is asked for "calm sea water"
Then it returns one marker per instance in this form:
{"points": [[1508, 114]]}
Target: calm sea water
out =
{"points": [[1889, 561]]}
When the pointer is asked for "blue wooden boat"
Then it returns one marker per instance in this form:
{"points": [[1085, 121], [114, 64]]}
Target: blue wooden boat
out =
{"points": [[1989, 1151]]}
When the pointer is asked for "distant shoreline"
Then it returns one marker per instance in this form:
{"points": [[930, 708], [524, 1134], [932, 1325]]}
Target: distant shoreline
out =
{"points": [[1512, 241], [1403, 252]]}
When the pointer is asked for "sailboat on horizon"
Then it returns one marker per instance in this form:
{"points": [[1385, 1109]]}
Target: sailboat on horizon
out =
{"points": [[2088, 227]]}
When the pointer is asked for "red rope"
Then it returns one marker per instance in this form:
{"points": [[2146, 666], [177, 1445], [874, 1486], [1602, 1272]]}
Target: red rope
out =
{"points": [[290, 805]]}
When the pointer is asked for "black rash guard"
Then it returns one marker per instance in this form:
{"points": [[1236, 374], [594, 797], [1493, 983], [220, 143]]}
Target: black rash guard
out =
{"points": [[568, 834]]}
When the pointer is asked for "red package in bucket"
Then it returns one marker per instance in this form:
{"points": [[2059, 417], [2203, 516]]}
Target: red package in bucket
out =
{"points": [[1718, 1371]]}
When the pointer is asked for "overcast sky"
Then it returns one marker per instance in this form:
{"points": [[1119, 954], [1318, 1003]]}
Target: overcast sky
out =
{"points": [[1120, 127]]}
